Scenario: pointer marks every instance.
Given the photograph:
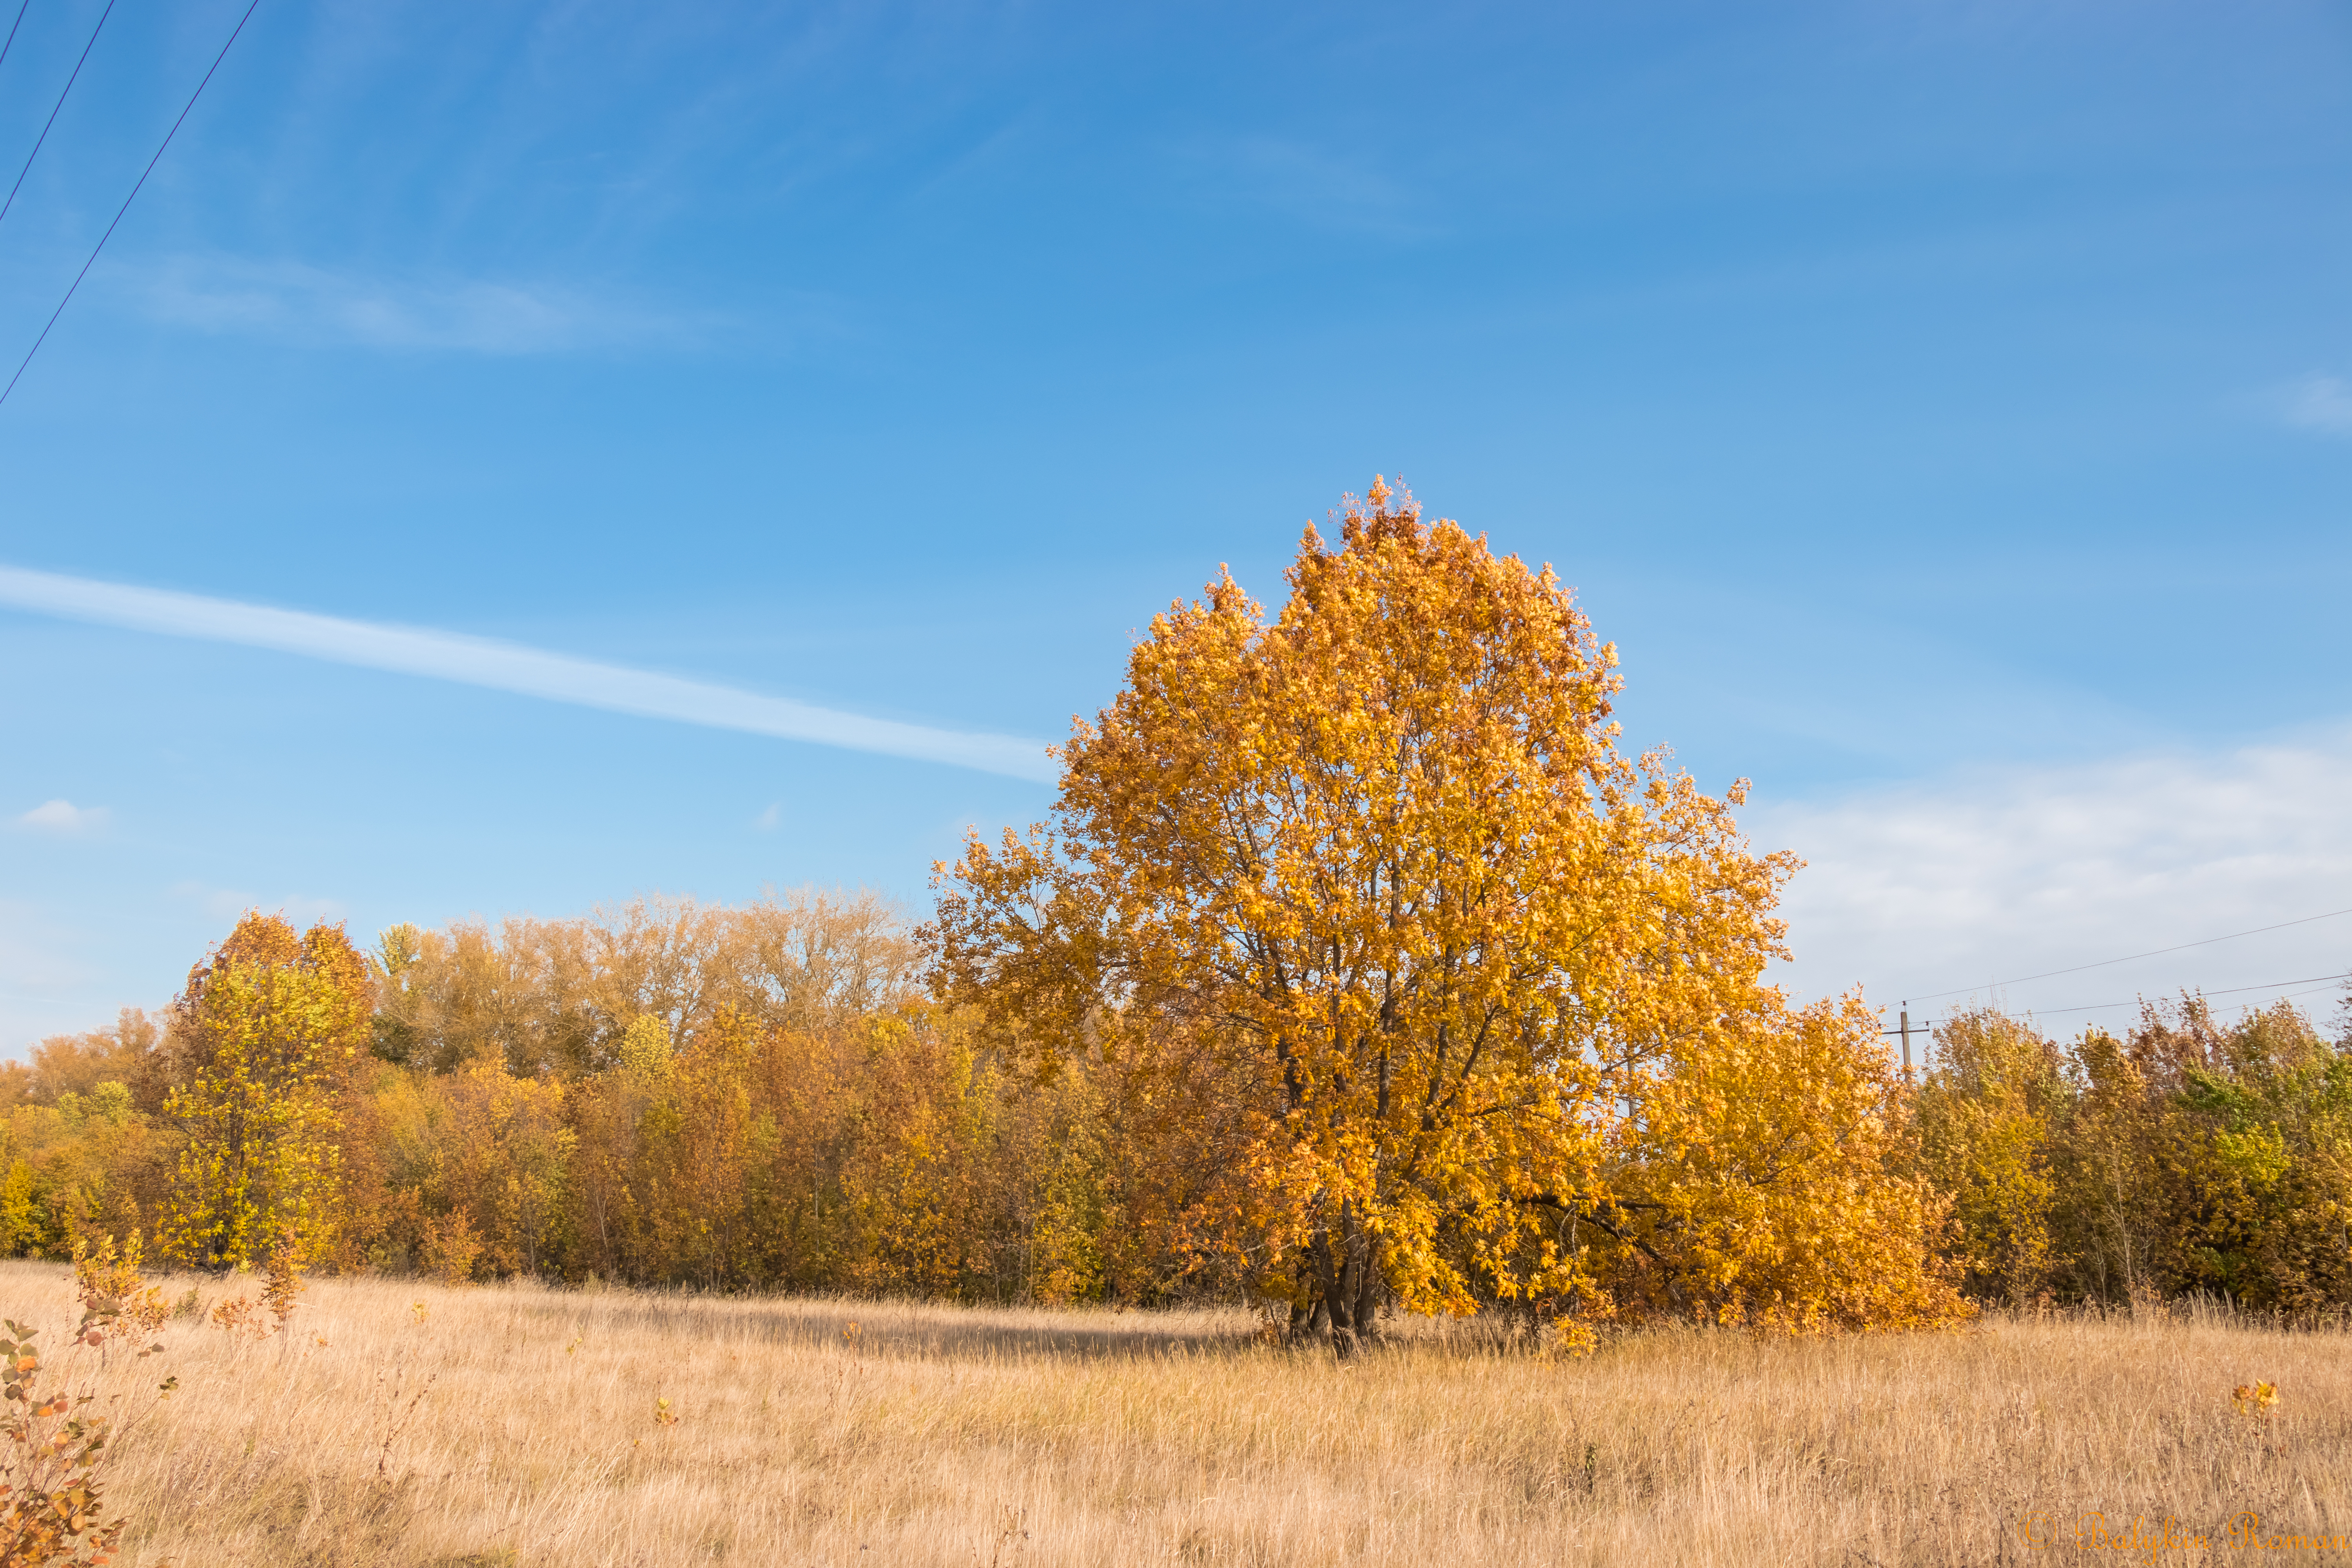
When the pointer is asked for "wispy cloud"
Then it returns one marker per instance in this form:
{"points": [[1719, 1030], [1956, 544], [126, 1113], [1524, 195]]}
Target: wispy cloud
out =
{"points": [[300, 303], [63, 817], [2001, 874], [766, 821], [2321, 402], [507, 667], [47, 971], [220, 905], [1308, 184]]}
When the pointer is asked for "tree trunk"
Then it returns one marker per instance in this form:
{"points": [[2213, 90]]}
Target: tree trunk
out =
{"points": [[1346, 1276]]}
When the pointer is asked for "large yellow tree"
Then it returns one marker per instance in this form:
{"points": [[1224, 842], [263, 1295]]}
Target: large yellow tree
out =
{"points": [[1369, 895], [263, 1032]]}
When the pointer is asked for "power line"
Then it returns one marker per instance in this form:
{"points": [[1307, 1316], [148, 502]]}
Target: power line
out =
{"points": [[2103, 963], [12, 31], [2233, 991], [2325, 981], [60, 103], [135, 189]]}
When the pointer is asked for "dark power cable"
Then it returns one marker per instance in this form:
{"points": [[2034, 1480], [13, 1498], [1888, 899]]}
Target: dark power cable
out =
{"points": [[150, 169], [1927, 1025], [60, 103], [12, 31], [2103, 963]]}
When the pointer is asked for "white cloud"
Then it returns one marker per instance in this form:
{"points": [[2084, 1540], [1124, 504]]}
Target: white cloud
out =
{"points": [[64, 817], [506, 666], [48, 981], [224, 905], [2001, 874], [2321, 402], [295, 300], [766, 821]]}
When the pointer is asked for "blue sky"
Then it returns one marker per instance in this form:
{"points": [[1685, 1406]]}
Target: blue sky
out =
{"points": [[1947, 409]]}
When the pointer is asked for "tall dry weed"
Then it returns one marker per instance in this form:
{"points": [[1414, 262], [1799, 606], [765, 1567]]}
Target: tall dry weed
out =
{"points": [[521, 1425]]}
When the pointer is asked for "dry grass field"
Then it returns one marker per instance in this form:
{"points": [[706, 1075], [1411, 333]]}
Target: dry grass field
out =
{"points": [[842, 1433]]}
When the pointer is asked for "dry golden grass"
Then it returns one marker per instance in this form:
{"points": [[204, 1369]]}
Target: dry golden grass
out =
{"points": [[931, 1434]]}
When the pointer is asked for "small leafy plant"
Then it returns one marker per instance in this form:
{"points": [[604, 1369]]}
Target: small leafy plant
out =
{"points": [[115, 1300], [285, 1283], [282, 1290], [49, 1504], [52, 1447], [235, 1312]]}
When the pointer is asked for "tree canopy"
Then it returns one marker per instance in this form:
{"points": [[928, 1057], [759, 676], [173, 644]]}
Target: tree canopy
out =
{"points": [[266, 1029], [1378, 871]]}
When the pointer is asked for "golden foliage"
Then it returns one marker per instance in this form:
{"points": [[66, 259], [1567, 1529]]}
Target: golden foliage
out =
{"points": [[1985, 1118], [1757, 1185], [1376, 877], [86, 1161], [115, 1299], [268, 1026], [559, 996]]}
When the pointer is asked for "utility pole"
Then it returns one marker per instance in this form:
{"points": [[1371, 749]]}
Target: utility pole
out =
{"points": [[1905, 1016]]}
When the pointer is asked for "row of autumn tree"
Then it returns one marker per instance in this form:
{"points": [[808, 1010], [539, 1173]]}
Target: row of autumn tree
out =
{"points": [[762, 1097], [1357, 969], [2184, 1155], [674, 1093]]}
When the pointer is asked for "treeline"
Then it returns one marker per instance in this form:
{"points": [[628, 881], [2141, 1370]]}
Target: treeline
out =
{"points": [[2184, 1155], [764, 1097], [671, 1094]]}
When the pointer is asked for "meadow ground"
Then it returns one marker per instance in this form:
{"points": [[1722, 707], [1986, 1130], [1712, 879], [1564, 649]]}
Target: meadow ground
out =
{"points": [[402, 1422]]}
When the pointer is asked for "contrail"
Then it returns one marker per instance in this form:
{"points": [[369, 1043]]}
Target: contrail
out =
{"points": [[506, 666]]}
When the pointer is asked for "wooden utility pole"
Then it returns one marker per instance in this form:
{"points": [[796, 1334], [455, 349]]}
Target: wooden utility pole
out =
{"points": [[1905, 1016]]}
